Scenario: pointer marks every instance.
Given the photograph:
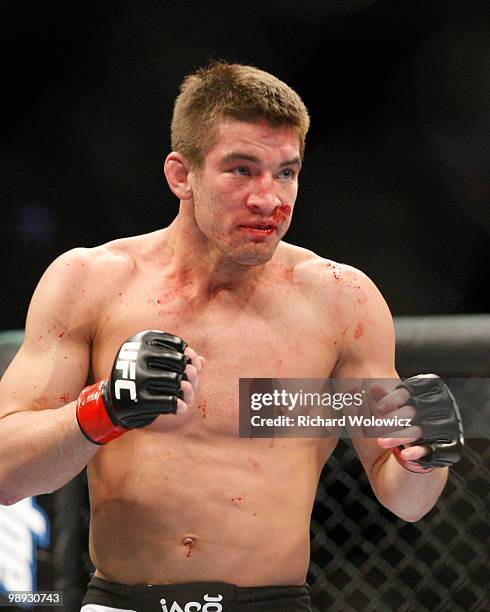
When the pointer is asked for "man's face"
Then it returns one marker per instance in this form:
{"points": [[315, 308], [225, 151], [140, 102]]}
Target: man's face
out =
{"points": [[245, 192]]}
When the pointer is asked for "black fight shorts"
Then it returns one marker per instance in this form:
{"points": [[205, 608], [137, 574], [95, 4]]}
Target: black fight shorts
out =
{"points": [[195, 597]]}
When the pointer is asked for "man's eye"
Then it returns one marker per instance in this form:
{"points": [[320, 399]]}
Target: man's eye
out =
{"points": [[241, 171], [287, 173]]}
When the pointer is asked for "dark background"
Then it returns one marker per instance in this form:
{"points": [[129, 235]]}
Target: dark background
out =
{"points": [[394, 180]]}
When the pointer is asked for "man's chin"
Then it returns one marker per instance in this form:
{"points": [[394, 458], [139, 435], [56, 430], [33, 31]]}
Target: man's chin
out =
{"points": [[253, 255]]}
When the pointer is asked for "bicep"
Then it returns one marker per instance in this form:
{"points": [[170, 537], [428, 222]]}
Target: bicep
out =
{"points": [[368, 341], [51, 367], [368, 352]]}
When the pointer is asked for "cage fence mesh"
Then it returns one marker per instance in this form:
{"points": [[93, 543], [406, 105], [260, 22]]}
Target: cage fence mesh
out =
{"points": [[365, 558]]}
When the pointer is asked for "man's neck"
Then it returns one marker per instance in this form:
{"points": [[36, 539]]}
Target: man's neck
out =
{"points": [[194, 260]]}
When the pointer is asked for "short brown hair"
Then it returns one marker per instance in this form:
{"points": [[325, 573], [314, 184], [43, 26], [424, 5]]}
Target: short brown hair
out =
{"points": [[222, 90]]}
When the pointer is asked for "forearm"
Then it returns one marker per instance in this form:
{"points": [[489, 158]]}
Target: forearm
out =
{"points": [[406, 494], [40, 451]]}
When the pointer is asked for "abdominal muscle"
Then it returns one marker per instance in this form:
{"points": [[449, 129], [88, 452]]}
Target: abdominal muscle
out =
{"points": [[168, 508]]}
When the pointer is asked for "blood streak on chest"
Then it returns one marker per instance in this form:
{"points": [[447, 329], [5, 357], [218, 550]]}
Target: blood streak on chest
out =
{"points": [[202, 406], [254, 463]]}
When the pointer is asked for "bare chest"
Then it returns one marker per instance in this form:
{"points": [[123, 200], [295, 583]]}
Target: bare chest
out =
{"points": [[280, 337]]}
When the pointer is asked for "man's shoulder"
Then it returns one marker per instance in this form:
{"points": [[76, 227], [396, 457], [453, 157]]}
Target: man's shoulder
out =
{"points": [[82, 264], [312, 269], [111, 259]]}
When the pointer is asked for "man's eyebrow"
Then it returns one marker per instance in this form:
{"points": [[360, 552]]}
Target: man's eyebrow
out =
{"points": [[296, 161], [237, 156]]}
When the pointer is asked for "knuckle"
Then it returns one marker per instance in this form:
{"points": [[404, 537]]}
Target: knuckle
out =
{"points": [[186, 387], [191, 372], [402, 395]]}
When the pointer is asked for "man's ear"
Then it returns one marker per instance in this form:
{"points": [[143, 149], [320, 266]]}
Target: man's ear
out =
{"points": [[176, 170]]}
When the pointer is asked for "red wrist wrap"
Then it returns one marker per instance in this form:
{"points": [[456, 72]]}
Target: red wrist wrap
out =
{"points": [[92, 416], [411, 466]]}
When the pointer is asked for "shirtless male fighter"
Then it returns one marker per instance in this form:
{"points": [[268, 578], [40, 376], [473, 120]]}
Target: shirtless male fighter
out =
{"points": [[185, 515]]}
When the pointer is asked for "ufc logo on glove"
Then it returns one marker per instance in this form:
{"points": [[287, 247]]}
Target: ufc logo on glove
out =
{"points": [[126, 364]]}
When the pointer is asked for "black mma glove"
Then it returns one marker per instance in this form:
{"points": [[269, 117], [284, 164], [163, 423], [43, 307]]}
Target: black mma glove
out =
{"points": [[145, 382], [437, 414]]}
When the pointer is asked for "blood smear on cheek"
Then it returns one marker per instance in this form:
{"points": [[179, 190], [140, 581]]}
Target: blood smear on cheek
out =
{"points": [[281, 213]]}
